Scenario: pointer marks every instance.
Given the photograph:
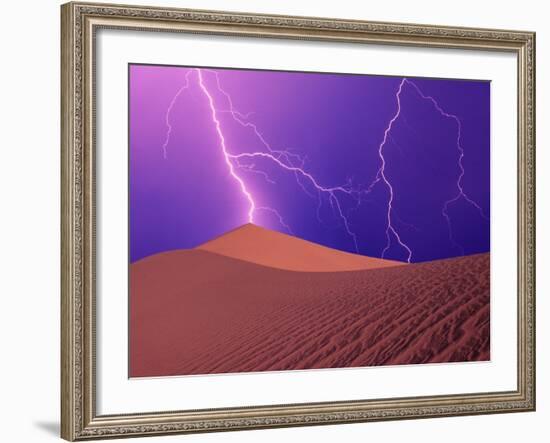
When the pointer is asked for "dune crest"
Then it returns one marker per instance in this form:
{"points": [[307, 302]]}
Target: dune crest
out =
{"points": [[265, 247]]}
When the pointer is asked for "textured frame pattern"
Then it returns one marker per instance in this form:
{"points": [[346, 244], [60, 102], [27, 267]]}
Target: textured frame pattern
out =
{"points": [[79, 21]]}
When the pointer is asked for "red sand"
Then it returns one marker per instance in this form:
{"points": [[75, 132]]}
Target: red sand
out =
{"points": [[196, 312], [270, 248]]}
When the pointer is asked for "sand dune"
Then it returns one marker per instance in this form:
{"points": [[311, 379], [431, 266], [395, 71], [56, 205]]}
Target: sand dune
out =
{"points": [[270, 248], [197, 312]]}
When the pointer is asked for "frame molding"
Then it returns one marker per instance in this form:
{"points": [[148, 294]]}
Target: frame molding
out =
{"points": [[79, 21]]}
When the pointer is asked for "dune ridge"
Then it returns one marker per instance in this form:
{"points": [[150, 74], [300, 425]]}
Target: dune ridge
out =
{"points": [[262, 246]]}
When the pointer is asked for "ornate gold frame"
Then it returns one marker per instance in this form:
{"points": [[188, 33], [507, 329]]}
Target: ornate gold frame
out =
{"points": [[79, 21]]}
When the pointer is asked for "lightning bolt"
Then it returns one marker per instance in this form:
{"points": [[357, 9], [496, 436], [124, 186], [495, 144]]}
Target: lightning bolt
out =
{"points": [[391, 231], [381, 177], [283, 159], [279, 217], [242, 119], [169, 111], [461, 194], [226, 155], [330, 191], [293, 163]]}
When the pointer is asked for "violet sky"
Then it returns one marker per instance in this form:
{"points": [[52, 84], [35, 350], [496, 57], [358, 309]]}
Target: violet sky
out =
{"points": [[322, 180]]}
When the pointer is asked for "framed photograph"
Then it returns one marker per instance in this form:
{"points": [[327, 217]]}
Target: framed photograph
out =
{"points": [[281, 221]]}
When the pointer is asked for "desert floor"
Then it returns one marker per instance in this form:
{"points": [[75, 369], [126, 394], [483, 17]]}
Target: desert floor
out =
{"points": [[201, 312]]}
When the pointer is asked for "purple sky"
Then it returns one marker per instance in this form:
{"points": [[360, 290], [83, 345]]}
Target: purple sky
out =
{"points": [[197, 170]]}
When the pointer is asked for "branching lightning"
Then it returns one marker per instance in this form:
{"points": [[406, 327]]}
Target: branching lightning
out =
{"points": [[169, 110], [381, 176], [287, 161], [226, 155], [391, 230], [283, 159], [330, 191], [461, 194], [278, 216]]}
